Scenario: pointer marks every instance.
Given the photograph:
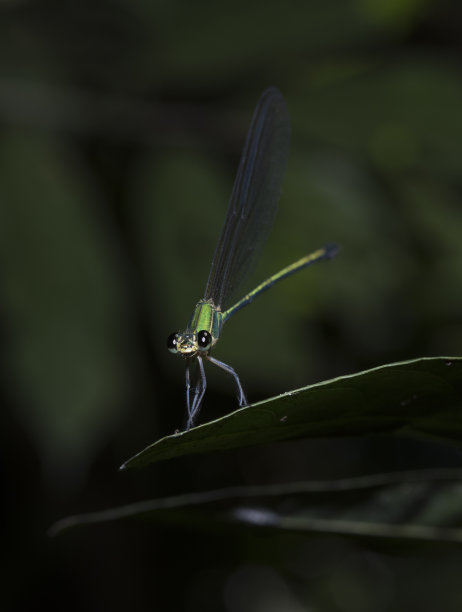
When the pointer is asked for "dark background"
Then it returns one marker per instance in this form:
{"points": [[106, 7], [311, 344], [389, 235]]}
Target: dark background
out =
{"points": [[121, 125]]}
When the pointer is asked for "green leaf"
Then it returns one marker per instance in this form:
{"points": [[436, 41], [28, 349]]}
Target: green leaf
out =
{"points": [[425, 505], [63, 303], [421, 396]]}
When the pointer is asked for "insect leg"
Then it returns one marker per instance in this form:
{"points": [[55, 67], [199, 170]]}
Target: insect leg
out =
{"points": [[230, 370]]}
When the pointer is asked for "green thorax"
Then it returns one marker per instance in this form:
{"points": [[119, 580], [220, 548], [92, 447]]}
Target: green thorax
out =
{"points": [[208, 317]]}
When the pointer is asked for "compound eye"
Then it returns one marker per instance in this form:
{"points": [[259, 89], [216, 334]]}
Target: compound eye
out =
{"points": [[172, 343], [204, 340]]}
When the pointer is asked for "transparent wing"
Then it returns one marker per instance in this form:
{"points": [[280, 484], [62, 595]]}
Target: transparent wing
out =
{"points": [[253, 203]]}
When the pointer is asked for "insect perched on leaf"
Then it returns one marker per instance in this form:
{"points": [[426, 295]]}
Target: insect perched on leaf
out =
{"points": [[249, 218]]}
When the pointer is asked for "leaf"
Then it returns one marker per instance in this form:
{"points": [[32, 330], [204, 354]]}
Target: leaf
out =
{"points": [[63, 304], [418, 396], [424, 505]]}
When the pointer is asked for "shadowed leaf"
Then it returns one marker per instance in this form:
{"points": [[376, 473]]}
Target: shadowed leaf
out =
{"points": [[422, 396]]}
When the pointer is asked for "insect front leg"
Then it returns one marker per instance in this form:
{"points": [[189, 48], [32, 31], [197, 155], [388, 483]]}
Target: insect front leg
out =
{"points": [[230, 370], [197, 393]]}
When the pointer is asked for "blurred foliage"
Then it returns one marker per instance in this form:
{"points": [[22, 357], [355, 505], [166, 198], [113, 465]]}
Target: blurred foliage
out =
{"points": [[62, 300], [121, 128], [424, 506]]}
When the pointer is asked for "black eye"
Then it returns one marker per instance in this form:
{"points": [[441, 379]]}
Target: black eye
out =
{"points": [[204, 340], [172, 341]]}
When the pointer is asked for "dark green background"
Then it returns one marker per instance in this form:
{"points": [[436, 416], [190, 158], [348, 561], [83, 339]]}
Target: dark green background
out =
{"points": [[121, 125]]}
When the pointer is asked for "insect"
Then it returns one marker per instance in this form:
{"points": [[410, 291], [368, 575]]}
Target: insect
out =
{"points": [[249, 218]]}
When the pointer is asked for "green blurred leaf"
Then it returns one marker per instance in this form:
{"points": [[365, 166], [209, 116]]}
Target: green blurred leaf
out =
{"points": [[420, 396], [199, 44], [63, 304], [424, 505], [394, 13], [179, 206], [386, 113]]}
